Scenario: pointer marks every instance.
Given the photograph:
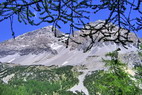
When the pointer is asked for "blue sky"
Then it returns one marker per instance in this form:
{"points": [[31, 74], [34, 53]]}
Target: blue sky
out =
{"points": [[20, 28]]}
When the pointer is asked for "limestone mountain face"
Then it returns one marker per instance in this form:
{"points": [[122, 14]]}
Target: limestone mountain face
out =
{"points": [[41, 47], [105, 36], [32, 42]]}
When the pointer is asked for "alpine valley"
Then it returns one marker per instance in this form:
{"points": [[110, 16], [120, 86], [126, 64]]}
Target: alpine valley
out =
{"points": [[38, 63]]}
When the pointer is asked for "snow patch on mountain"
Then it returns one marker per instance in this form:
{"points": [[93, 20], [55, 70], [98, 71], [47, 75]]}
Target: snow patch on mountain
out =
{"points": [[65, 63], [10, 61], [55, 46]]}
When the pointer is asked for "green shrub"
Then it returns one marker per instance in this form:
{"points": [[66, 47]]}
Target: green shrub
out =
{"points": [[114, 81]]}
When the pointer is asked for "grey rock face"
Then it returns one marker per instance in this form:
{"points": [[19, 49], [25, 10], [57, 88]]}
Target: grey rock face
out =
{"points": [[42, 47], [34, 42], [99, 38]]}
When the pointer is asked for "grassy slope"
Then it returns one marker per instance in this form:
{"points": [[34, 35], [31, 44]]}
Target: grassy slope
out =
{"points": [[38, 80]]}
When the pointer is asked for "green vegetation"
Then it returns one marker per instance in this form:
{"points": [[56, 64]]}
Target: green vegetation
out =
{"points": [[139, 76], [114, 81], [33, 87], [39, 80], [42, 80]]}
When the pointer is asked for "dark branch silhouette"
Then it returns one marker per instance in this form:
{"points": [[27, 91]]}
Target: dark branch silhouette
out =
{"points": [[74, 13]]}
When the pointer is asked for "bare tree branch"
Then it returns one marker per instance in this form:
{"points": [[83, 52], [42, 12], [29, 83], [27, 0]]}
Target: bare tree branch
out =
{"points": [[74, 13]]}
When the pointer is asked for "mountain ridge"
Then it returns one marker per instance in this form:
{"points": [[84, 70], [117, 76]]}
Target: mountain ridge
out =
{"points": [[45, 49]]}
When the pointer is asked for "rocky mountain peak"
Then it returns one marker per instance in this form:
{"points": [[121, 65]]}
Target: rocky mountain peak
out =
{"points": [[33, 42], [102, 36], [42, 47]]}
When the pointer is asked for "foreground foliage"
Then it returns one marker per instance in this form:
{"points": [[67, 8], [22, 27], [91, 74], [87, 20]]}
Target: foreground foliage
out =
{"points": [[39, 80], [114, 81]]}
